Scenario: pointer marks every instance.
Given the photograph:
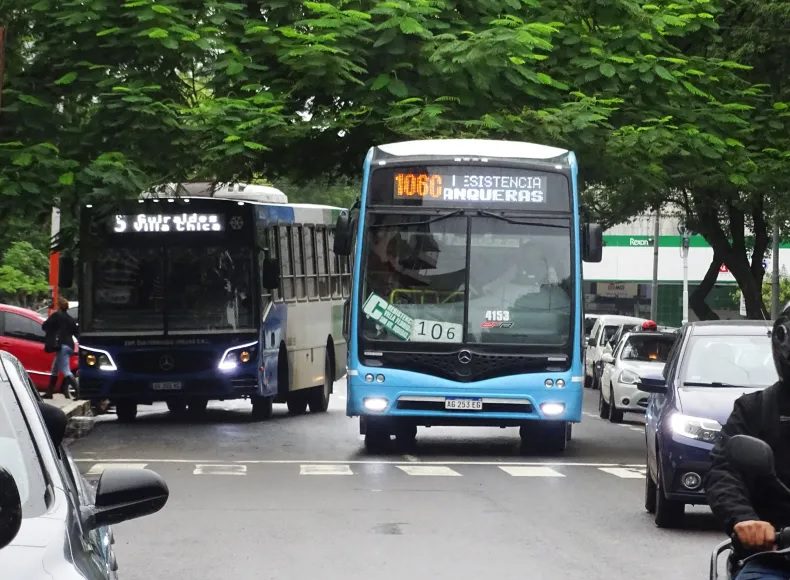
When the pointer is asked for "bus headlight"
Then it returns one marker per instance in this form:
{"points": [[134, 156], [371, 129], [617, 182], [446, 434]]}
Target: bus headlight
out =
{"points": [[97, 358], [238, 355], [552, 408]]}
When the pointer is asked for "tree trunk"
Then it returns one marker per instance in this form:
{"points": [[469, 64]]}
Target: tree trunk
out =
{"points": [[697, 298]]}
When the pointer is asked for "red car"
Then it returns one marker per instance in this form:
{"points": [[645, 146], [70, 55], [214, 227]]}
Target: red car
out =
{"points": [[21, 335]]}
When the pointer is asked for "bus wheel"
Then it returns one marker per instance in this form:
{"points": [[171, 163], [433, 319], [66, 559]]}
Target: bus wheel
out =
{"points": [[318, 399], [261, 407], [197, 406], [126, 411], [377, 438], [554, 436], [297, 402], [177, 406], [406, 436]]}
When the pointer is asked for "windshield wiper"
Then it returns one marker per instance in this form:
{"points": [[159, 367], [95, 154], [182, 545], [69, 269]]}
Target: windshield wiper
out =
{"points": [[714, 384], [482, 212], [422, 223]]}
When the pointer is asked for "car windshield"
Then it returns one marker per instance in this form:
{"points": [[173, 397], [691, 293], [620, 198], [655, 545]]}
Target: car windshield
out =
{"points": [[744, 361], [18, 454], [588, 325], [647, 348]]}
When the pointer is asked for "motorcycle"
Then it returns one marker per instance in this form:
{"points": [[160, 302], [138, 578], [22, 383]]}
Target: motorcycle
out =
{"points": [[754, 456]]}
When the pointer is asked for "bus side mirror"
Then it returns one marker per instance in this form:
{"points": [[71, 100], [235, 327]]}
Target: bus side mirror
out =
{"points": [[270, 276], [66, 272], [343, 234], [592, 243]]}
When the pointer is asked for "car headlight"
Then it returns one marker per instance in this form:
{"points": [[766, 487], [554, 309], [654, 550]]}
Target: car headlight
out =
{"points": [[239, 355], [628, 377], [95, 358], [706, 430]]}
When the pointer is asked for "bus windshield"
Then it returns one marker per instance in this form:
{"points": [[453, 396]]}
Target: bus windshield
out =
{"points": [[181, 288], [517, 290]]}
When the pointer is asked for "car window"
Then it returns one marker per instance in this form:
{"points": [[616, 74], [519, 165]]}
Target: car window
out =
{"points": [[736, 360], [647, 348], [18, 453], [18, 326], [608, 332]]}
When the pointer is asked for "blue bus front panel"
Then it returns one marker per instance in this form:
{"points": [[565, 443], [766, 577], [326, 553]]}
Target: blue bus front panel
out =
{"points": [[377, 392], [148, 374]]}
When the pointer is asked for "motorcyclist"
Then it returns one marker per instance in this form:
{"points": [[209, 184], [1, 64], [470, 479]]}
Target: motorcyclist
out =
{"points": [[750, 509]]}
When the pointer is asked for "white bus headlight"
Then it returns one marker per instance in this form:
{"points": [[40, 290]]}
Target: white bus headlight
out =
{"points": [[238, 355], [695, 427], [552, 408], [98, 359]]}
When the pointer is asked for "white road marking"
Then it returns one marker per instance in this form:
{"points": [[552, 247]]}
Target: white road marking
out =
{"points": [[219, 469], [114, 461], [530, 471], [623, 472], [430, 470], [100, 467], [325, 469]]}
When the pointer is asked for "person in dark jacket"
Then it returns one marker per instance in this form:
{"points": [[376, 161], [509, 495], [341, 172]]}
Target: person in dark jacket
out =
{"points": [[60, 330], [750, 509]]}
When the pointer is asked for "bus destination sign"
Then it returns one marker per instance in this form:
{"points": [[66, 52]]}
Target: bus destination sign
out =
{"points": [[512, 188], [142, 223]]}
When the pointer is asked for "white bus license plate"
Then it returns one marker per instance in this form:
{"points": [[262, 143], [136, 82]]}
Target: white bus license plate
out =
{"points": [[167, 386], [464, 404]]}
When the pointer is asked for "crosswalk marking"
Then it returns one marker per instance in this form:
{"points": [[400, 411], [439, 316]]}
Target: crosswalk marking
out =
{"points": [[98, 468], [325, 470], [623, 472], [530, 471], [429, 470], [219, 469]]}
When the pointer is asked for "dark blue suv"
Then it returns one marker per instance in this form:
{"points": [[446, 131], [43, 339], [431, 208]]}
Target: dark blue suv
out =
{"points": [[710, 365]]}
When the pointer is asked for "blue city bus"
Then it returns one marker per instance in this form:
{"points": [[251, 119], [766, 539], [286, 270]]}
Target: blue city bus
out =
{"points": [[467, 305], [200, 294]]}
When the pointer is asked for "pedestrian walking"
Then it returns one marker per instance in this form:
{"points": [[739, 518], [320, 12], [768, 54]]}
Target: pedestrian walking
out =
{"points": [[60, 330]]}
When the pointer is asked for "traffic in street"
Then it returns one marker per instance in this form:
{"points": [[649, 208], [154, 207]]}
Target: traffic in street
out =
{"points": [[300, 497]]}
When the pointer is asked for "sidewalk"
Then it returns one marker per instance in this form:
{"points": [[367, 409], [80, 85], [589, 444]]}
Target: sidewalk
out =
{"points": [[79, 414]]}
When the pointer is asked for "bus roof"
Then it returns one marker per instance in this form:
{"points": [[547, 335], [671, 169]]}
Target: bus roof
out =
{"points": [[232, 191], [470, 148]]}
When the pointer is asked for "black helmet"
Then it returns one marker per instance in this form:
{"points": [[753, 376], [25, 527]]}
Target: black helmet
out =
{"points": [[780, 343]]}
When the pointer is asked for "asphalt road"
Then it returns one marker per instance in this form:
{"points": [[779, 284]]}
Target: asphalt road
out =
{"points": [[299, 498]]}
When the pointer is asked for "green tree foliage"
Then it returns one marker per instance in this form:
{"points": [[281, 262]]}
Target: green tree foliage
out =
{"points": [[23, 274]]}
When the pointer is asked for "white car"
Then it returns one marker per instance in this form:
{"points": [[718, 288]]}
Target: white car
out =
{"points": [[638, 353], [604, 329]]}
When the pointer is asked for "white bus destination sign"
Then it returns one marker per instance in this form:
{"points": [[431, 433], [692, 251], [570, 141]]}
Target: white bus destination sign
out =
{"points": [[143, 223]]}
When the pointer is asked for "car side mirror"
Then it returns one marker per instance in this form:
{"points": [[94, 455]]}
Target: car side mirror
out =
{"points": [[270, 276], [750, 455], [343, 234], [592, 243], [10, 508], [607, 358], [652, 384], [66, 272], [125, 494]]}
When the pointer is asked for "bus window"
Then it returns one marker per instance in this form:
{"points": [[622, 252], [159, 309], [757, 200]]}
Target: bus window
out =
{"points": [[309, 261], [321, 258], [286, 263]]}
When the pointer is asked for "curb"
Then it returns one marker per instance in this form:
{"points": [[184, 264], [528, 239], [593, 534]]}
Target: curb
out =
{"points": [[80, 417]]}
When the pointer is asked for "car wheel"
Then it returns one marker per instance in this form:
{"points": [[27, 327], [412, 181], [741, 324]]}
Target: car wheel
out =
{"points": [[126, 411], [318, 399], [615, 414], [587, 381], [176, 406], [669, 513], [297, 402], [197, 407], [650, 493], [603, 406], [261, 407]]}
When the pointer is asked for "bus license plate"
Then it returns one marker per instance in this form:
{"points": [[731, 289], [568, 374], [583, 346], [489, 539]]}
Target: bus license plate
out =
{"points": [[464, 404], [167, 386]]}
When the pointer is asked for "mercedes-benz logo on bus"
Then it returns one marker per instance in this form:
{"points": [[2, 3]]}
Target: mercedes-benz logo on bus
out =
{"points": [[464, 357], [167, 362]]}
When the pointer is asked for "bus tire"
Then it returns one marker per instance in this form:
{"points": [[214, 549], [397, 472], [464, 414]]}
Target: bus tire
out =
{"points": [[406, 436], [318, 399], [550, 436], [297, 402], [261, 407], [377, 437], [126, 411], [176, 406], [197, 407]]}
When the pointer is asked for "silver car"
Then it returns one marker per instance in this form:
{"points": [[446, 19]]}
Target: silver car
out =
{"points": [[52, 523], [637, 353]]}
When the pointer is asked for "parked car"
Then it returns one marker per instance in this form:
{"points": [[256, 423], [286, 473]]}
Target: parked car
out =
{"points": [[54, 524], [603, 330], [637, 353], [21, 335], [74, 310], [711, 365]]}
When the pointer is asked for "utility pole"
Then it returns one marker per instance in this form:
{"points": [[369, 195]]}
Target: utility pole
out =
{"points": [[654, 286], [775, 306], [684, 253]]}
